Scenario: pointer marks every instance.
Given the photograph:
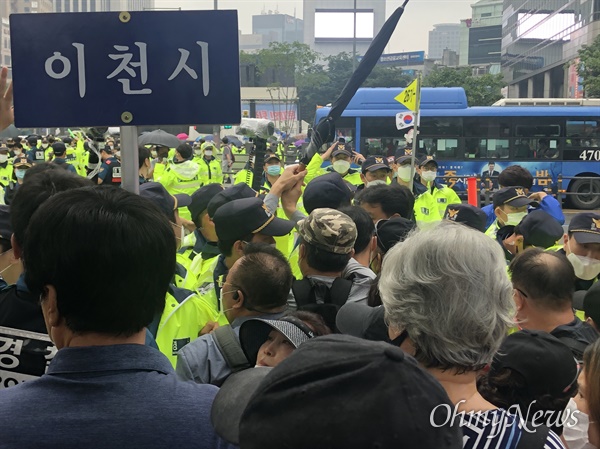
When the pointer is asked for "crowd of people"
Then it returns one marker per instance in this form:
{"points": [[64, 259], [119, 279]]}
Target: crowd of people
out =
{"points": [[317, 312]]}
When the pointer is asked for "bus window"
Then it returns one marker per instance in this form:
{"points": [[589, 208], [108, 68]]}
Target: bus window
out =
{"points": [[438, 148], [546, 148], [441, 126], [583, 134], [486, 148], [486, 137]]}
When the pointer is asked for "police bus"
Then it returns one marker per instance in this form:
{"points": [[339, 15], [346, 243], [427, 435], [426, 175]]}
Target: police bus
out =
{"points": [[558, 141]]}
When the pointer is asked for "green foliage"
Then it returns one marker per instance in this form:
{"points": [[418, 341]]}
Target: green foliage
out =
{"points": [[481, 90], [589, 68]]}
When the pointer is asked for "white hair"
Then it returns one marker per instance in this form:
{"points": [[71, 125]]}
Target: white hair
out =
{"points": [[448, 288]]}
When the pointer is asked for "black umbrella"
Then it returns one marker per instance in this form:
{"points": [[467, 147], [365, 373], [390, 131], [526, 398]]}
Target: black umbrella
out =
{"points": [[159, 137], [324, 131]]}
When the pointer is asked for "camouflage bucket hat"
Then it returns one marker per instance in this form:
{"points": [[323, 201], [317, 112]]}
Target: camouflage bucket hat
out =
{"points": [[329, 230]]}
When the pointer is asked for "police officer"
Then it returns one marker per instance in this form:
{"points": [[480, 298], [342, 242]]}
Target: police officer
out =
{"points": [[341, 160], [35, 154], [210, 167], [110, 170], [182, 176], [426, 210], [59, 149], [442, 194], [21, 165], [272, 168], [510, 207], [375, 170], [185, 313], [6, 167]]}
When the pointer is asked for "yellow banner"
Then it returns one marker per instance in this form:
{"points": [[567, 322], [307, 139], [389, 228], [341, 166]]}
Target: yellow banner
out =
{"points": [[408, 97]]}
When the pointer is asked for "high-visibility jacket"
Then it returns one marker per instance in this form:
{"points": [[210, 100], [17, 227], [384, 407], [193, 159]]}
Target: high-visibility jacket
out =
{"points": [[6, 172], [492, 231], [314, 169], [443, 195], [184, 316], [210, 171], [183, 177]]}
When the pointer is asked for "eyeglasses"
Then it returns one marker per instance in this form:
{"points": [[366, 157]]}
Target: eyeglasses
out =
{"points": [[522, 292], [579, 369]]}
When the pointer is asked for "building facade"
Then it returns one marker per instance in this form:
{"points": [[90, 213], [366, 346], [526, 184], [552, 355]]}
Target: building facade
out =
{"points": [[540, 41], [329, 25], [443, 36], [278, 28]]}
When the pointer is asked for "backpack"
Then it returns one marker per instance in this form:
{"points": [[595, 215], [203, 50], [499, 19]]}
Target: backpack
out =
{"points": [[335, 297], [229, 345]]}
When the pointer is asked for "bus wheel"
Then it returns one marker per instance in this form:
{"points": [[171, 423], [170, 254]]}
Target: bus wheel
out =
{"points": [[588, 194]]}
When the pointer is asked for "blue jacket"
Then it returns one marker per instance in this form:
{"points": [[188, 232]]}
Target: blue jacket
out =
{"points": [[108, 396], [549, 205]]}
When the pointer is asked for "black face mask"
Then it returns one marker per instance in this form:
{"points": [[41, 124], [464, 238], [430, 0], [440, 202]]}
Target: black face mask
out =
{"points": [[400, 339]]}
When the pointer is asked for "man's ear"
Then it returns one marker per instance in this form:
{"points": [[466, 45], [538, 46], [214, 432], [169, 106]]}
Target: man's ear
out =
{"points": [[239, 246], [373, 244], [50, 305], [301, 251], [363, 179], [15, 246]]}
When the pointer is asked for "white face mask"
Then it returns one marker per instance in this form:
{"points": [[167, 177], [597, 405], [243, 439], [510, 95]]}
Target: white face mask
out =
{"points": [[404, 172], [198, 152], [585, 268], [44, 145], [377, 182], [341, 167], [514, 218], [208, 153], [429, 176], [3, 158], [118, 154], [154, 154]]}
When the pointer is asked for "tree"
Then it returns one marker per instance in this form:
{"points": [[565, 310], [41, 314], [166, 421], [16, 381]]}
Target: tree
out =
{"points": [[382, 76], [481, 90], [589, 68]]}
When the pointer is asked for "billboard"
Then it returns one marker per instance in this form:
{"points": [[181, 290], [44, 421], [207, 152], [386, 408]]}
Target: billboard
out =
{"points": [[401, 59], [274, 111], [339, 24], [543, 26]]}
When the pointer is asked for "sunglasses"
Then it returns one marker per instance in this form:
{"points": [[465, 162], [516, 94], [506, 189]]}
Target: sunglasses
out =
{"points": [[579, 369]]}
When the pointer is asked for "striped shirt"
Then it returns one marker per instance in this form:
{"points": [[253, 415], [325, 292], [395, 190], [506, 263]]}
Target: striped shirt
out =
{"points": [[497, 429]]}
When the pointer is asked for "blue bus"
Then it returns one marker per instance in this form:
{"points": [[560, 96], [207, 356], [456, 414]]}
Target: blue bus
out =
{"points": [[555, 143]]}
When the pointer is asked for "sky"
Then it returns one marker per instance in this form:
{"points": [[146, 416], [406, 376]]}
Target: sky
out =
{"points": [[411, 33]]}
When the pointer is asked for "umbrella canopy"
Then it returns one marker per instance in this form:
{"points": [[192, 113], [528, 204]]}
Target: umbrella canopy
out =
{"points": [[182, 136], [160, 137], [299, 143], [235, 141], [209, 138]]}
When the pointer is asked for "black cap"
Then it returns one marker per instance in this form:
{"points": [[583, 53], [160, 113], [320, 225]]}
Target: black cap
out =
{"points": [[22, 162], [236, 192], [546, 364], [585, 228], [591, 303], [389, 232], [342, 148], [6, 230], [426, 159], [513, 196], [402, 159], [470, 215], [373, 163], [201, 198], [339, 391], [157, 193], [362, 321], [270, 156], [239, 218], [326, 191], [59, 148], [539, 229]]}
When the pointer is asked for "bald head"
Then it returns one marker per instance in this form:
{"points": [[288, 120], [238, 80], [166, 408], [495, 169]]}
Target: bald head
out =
{"points": [[545, 277]]}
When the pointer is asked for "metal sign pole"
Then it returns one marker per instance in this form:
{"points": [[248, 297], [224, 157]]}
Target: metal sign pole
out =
{"points": [[415, 133], [130, 177]]}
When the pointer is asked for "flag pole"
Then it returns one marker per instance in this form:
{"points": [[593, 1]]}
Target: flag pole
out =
{"points": [[415, 132]]}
